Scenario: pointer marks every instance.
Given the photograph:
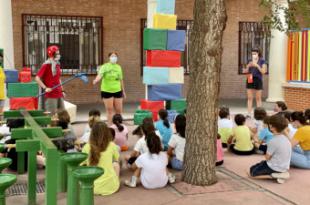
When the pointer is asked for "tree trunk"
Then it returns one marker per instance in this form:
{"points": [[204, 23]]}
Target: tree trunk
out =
{"points": [[202, 112]]}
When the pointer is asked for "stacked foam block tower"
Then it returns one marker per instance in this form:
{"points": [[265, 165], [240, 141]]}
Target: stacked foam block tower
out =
{"points": [[23, 94], [163, 44], [298, 59]]}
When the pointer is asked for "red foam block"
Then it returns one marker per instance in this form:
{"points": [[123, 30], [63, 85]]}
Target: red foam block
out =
{"points": [[24, 76], [158, 58], [153, 106], [28, 103]]}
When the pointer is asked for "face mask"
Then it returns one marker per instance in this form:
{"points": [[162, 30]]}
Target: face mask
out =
{"points": [[255, 57], [57, 58], [113, 59]]}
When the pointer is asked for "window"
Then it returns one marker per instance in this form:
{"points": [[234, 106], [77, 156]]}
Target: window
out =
{"points": [[252, 34], [79, 39], [186, 25]]}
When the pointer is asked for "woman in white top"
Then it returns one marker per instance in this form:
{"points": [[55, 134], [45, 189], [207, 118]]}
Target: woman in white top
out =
{"points": [[151, 166]]}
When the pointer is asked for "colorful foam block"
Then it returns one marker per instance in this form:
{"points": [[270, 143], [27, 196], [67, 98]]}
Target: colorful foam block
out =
{"points": [[24, 76], [176, 75], [140, 115], [165, 21], [151, 11], [178, 105], [23, 89], [155, 75], [176, 40], [165, 6], [158, 58], [155, 39], [28, 103], [11, 76], [152, 105], [165, 92]]}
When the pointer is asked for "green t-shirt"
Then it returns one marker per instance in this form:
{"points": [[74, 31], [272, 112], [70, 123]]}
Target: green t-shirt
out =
{"points": [[242, 135], [111, 77]]}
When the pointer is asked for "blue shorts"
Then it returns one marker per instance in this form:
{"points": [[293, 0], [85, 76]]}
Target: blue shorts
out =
{"points": [[176, 164]]}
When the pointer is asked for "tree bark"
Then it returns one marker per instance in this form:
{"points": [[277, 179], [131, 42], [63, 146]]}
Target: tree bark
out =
{"points": [[202, 112]]}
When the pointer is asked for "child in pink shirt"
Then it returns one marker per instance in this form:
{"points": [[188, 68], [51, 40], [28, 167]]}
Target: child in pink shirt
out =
{"points": [[219, 151], [121, 132]]}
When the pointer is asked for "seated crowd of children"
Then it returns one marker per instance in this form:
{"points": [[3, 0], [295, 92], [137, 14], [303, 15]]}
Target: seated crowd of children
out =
{"points": [[283, 137]]}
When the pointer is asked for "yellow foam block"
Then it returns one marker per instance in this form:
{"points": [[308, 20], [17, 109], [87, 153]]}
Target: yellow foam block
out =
{"points": [[165, 21], [176, 75]]}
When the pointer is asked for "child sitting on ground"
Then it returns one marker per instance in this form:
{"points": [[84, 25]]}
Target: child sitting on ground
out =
{"points": [[219, 151], [140, 146], [278, 153], [241, 138], [65, 143], [259, 115], [279, 107], [121, 132], [225, 125], [102, 152], [93, 116], [264, 137], [177, 143], [150, 167], [291, 130], [164, 127]]}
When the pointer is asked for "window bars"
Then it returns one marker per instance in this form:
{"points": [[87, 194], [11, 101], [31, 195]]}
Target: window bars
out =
{"points": [[253, 35], [80, 39]]}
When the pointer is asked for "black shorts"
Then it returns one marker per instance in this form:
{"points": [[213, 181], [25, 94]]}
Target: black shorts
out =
{"points": [[106, 95], [256, 85]]}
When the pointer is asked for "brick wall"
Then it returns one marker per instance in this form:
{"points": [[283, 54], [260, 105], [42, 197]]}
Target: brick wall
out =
{"points": [[121, 21], [297, 98]]}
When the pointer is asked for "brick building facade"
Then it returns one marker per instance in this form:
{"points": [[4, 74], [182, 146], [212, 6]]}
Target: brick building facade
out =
{"points": [[122, 32]]}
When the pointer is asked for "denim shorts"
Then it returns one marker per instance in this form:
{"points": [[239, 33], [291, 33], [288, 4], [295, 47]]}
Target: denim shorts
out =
{"points": [[176, 164]]}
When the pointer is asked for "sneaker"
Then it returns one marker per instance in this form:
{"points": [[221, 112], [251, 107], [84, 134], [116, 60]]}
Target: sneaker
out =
{"points": [[281, 175], [132, 183], [171, 178], [280, 181]]}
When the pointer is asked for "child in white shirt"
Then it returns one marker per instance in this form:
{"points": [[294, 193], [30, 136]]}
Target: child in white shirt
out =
{"points": [[150, 167]]}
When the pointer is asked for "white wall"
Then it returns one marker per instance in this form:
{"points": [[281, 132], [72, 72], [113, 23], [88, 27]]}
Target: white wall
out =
{"points": [[6, 33]]}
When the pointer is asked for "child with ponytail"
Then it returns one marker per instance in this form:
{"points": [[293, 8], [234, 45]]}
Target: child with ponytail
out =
{"points": [[164, 128], [121, 132], [102, 152]]}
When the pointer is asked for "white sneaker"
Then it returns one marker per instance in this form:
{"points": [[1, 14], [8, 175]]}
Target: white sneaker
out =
{"points": [[132, 182], [280, 181], [171, 178], [281, 175]]}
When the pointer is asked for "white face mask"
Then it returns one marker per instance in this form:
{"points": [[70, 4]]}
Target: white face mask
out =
{"points": [[255, 57], [113, 59], [57, 58]]}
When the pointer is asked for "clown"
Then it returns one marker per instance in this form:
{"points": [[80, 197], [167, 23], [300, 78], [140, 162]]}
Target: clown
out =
{"points": [[49, 76]]}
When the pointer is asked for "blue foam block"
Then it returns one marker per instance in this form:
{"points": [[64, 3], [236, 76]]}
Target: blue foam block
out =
{"points": [[176, 40], [11, 76], [165, 92], [155, 75], [165, 6]]}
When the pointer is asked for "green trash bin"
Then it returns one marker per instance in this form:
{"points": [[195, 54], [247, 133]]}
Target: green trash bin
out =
{"points": [[140, 115]]}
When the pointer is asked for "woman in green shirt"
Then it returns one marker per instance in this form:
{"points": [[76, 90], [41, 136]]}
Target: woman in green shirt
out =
{"points": [[112, 86]]}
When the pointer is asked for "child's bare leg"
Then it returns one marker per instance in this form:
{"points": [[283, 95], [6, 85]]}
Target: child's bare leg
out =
{"points": [[117, 168], [137, 172]]}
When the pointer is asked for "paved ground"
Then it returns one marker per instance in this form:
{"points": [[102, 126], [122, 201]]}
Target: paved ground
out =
{"points": [[233, 187]]}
